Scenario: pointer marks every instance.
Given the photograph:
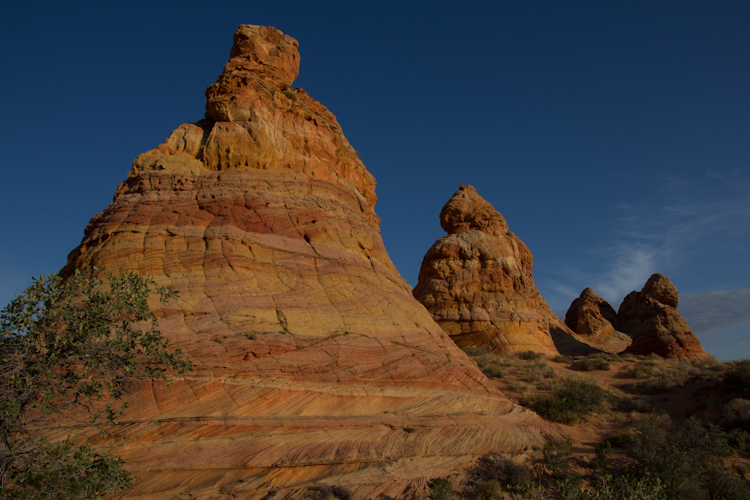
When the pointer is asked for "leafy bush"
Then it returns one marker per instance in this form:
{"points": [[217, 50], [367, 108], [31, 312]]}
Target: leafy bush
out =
{"points": [[529, 356], [73, 347], [441, 489], [685, 459], [487, 490], [570, 400], [596, 364], [290, 94], [475, 351], [505, 472], [562, 359], [738, 377], [737, 413], [493, 370]]}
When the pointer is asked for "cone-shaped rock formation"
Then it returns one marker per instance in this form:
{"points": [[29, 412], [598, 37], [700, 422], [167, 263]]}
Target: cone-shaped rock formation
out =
{"points": [[478, 285], [591, 317], [651, 317], [311, 355]]}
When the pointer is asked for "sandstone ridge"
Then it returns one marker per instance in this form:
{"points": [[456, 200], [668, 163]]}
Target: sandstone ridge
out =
{"points": [[313, 362], [478, 285], [646, 322]]}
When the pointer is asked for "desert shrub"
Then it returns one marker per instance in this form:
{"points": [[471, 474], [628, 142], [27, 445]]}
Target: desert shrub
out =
{"points": [[441, 489], [475, 351], [596, 364], [487, 490], [290, 94], [738, 377], [536, 372], [570, 400], [529, 355], [640, 370], [685, 459], [505, 472], [603, 450], [562, 359], [739, 439], [640, 405], [737, 413], [493, 370], [324, 492], [624, 487]]}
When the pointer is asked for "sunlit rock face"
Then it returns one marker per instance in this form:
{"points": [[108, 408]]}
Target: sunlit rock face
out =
{"points": [[313, 362], [591, 317], [477, 282], [651, 317]]}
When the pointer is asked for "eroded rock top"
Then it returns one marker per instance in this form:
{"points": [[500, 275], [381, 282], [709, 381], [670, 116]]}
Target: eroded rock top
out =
{"points": [[255, 121], [661, 289], [262, 57], [467, 210]]}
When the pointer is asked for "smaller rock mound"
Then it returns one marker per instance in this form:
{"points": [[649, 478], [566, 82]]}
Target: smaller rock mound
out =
{"points": [[651, 317], [477, 282], [593, 318]]}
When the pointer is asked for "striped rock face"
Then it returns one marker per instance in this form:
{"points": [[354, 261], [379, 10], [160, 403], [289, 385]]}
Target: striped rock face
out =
{"points": [[313, 362], [478, 285]]}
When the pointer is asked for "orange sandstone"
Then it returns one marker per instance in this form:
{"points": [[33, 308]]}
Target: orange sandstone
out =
{"points": [[478, 285], [313, 362]]}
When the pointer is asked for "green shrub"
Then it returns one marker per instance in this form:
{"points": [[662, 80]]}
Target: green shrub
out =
{"points": [[505, 472], [493, 370], [290, 94], [475, 351], [737, 413], [738, 377], [529, 356], [487, 490], [685, 459], [640, 370], [596, 364], [562, 359], [441, 489], [570, 400]]}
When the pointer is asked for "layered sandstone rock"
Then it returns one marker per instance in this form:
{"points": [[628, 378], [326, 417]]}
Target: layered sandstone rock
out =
{"points": [[478, 285], [591, 317], [313, 362], [651, 317]]}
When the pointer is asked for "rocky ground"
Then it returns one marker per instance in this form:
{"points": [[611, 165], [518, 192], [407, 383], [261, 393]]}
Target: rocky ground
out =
{"points": [[646, 402]]}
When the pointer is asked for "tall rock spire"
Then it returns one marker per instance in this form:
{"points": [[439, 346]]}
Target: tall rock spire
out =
{"points": [[311, 356]]}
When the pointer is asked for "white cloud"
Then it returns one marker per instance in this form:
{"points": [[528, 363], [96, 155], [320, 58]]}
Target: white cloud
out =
{"points": [[628, 272], [679, 223]]}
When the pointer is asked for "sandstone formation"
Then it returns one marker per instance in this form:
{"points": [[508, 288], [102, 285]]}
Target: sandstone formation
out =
{"points": [[591, 317], [313, 362], [651, 317], [478, 285]]}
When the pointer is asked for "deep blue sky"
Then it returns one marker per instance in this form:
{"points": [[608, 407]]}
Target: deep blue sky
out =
{"points": [[613, 136]]}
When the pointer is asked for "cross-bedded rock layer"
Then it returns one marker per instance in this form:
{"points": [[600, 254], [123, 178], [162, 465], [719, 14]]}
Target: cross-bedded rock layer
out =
{"points": [[313, 362], [478, 285]]}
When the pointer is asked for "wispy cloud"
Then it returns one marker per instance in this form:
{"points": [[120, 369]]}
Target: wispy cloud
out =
{"points": [[716, 311], [678, 223], [627, 272]]}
